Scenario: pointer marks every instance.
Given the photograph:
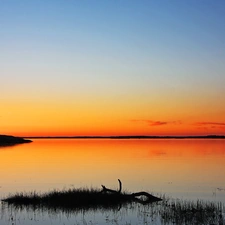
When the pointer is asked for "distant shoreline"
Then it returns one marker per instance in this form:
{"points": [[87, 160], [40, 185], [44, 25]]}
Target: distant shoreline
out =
{"points": [[7, 140], [128, 137]]}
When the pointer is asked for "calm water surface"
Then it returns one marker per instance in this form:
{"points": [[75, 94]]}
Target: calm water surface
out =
{"points": [[185, 169]]}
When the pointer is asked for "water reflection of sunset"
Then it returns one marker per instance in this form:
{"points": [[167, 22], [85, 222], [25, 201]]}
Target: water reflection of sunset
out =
{"points": [[159, 165]]}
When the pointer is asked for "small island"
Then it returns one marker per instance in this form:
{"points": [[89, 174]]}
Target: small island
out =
{"points": [[82, 198], [7, 140], [73, 201]]}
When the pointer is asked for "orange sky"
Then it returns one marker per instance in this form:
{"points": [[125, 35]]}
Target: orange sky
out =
{"points": [[49, 118]]}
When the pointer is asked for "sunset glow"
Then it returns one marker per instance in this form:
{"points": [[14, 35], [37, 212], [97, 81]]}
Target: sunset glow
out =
{"points": [[112, 68]]}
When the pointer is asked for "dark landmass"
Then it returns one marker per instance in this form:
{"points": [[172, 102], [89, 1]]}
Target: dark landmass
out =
{"points": [[71, 199], [66, 199], [169, 211], [7, 140], [82, 198], [129, 137]]}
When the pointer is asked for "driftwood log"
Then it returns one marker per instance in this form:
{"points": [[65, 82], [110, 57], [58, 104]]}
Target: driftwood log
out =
{"points": [[141, 197]]}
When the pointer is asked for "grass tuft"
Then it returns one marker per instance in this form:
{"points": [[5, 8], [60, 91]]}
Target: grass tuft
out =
{"points": [[72, 198]]}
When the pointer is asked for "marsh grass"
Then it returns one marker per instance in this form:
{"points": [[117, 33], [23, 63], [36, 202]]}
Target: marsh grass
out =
{"points": [[191, 212], [82, 198], [168, 211]]}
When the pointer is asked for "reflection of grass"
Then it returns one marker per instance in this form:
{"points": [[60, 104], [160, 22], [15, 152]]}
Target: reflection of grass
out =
{"points": [[191, 212], [183, 212]]}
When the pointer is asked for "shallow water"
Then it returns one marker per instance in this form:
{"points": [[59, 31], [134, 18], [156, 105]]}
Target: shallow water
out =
{"points": [[185, 169]]}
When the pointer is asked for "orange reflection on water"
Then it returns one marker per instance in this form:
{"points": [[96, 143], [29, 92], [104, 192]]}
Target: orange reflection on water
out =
{"points": [[158, 165]]}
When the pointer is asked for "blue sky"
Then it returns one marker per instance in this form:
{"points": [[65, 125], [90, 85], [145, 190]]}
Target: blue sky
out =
{"points": [[125, 36]]}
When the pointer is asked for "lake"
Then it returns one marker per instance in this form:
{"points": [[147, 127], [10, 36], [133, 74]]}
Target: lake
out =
{"points": [[179, 168]]}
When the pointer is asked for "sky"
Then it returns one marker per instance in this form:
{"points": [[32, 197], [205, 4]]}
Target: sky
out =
{"points": [[102, 67]]}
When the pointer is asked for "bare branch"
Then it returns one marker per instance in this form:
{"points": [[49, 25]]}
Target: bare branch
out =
{"points": [[120, 186], [133, 196]]}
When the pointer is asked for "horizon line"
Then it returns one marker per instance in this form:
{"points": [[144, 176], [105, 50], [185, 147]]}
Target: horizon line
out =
{"points": [[211, 136]]}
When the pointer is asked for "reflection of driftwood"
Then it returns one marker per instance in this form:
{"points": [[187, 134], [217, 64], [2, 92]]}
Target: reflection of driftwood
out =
{"points": [[141, 197], [148, 197]]}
